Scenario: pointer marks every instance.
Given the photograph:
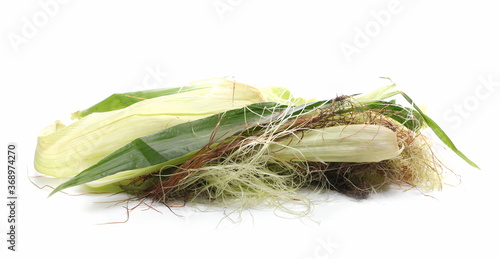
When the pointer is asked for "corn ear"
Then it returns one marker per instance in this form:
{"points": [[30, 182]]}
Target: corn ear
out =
{"points": [[153, 134], [351, 143], [64, 151]]}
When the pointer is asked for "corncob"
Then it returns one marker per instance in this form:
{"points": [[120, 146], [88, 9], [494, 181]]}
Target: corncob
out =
{"points": [[223, 140]]}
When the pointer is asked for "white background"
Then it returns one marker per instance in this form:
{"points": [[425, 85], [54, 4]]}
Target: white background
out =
{"points": [[59, 58]]}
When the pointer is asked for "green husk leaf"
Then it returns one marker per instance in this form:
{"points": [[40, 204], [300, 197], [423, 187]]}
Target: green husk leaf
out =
{"points": [[409, 118], [123, 100], [439, 132], [374, 100]]}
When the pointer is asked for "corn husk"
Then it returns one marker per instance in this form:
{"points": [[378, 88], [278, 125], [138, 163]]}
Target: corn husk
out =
{"points": [[350, 143], [64, 151]]}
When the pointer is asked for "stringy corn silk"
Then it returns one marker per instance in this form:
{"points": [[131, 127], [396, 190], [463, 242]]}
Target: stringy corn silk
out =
{"points": [[243, 173]]}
